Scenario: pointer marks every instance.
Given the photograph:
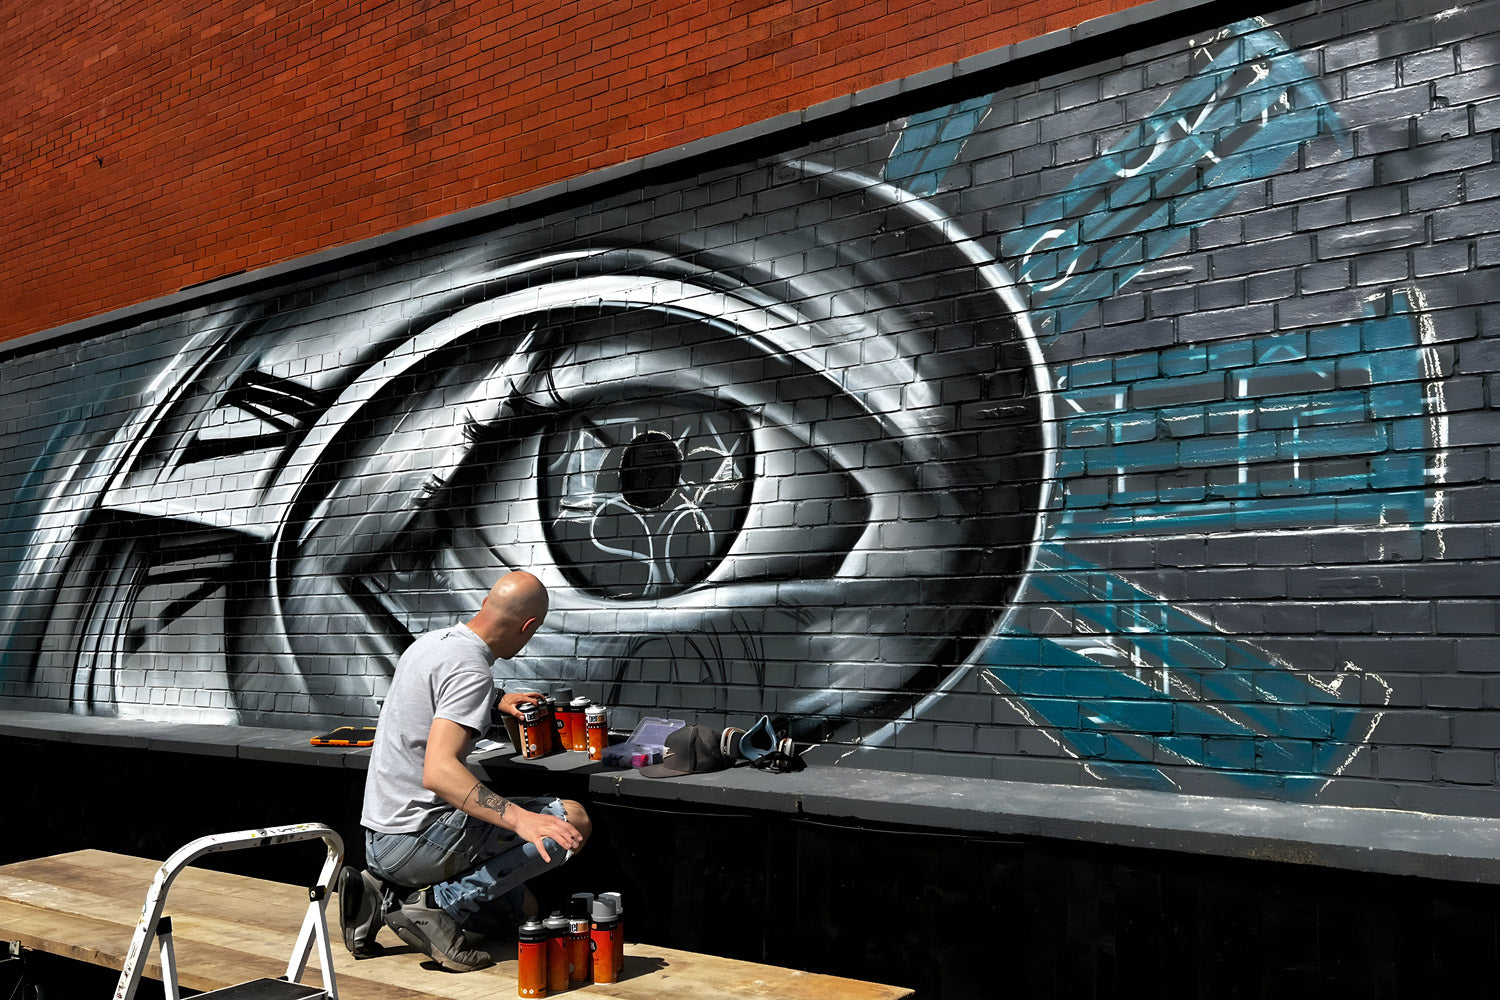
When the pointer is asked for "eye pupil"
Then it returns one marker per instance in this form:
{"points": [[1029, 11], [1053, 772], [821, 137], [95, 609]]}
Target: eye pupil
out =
{"points": [[643, 500], [650, 470]]}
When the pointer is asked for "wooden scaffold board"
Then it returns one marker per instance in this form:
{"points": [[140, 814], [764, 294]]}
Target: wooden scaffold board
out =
{"points": [[230, 929]]}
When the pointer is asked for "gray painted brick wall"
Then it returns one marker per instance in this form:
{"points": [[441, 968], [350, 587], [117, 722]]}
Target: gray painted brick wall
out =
{"points": [[1132, 424]]}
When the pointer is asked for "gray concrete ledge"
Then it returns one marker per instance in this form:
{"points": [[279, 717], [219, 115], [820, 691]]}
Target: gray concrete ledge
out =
{"points": [[1460, 848], [287, 746], [1384, 841]]}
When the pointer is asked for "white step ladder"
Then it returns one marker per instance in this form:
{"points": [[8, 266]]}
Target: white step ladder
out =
{"points": [[154, 924]]}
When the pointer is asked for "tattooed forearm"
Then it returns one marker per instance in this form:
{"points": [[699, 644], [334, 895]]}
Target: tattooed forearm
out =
{"points": [[487, 799]]}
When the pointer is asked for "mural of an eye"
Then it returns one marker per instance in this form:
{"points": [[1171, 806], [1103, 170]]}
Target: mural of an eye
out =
{"points": [[995, 430], [678, 429], [730, 450], [645, 505]]}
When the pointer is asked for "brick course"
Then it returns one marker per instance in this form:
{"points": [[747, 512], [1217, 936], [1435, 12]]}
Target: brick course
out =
{"points": [[153, 146]]}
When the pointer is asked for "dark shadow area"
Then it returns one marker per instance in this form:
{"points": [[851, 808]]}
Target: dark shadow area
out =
{"points": [[67, 797], [951, 916], [35, 975]]}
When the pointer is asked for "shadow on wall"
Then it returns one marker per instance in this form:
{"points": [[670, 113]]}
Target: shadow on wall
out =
{"points": [[1072, 428]]}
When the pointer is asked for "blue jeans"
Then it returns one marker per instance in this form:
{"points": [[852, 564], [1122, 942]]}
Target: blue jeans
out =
{"points": [[477, 871]]}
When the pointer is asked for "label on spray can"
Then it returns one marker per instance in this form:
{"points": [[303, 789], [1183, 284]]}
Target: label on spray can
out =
{"points": [[557, 952], [618, 935], [561, 699], [580, 961], [547, 733], [531, 732], [598, 732], [602, 942], [576, 730]]}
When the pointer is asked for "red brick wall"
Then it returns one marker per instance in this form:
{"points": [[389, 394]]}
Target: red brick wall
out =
{"points": [[149, 146]]}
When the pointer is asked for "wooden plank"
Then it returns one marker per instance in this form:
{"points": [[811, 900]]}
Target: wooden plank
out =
{"points": [[264, 929], [103, 942], [229, 929]]}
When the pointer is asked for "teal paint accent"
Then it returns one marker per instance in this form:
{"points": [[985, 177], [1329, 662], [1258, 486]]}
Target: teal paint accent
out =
{"points": [[931, 142], [1165, 687], [1289, 433], [1240, 118]]}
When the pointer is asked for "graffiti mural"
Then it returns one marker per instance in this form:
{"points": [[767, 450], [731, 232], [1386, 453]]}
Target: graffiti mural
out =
{"points": [[1092, 429]]}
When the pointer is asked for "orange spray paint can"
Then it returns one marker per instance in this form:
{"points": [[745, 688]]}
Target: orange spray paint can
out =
{"points": [[531, 732], [557, 951], [575, 730], [598, 730], [531, 967], [580, 961], [602, 943]]}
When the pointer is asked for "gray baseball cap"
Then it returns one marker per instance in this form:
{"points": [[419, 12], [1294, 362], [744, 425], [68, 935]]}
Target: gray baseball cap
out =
{"points": [[690, 750]]}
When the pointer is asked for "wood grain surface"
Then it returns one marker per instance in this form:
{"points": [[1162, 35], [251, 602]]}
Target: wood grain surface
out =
{"points": [[229, 929]]}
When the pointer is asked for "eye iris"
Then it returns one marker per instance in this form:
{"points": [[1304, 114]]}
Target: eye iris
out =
{"points": [[650, 470], [645, 499]]}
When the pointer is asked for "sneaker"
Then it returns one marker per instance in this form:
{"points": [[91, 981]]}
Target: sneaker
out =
{"points": [[424, 925], [359, 912]]}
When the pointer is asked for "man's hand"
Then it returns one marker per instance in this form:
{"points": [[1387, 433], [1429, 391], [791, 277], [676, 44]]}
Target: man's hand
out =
{"points": [[534, 827], [511, 702], [443, 772]]}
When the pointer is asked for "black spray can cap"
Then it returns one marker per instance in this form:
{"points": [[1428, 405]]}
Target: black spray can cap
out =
{"points": [[580, 905]]}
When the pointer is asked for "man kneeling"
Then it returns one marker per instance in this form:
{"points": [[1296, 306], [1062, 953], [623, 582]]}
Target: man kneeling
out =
{"points": [[445, 853]]}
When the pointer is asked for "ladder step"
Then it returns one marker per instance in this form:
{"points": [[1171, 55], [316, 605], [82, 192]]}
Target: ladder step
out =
{"points": [[267, 989]]}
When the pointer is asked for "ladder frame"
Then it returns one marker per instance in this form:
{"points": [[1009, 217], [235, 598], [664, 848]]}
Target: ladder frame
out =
{"points": [[314, 930]]}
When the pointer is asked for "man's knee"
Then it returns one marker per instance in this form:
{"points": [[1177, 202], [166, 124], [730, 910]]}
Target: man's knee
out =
{"points": [[578, 817]]}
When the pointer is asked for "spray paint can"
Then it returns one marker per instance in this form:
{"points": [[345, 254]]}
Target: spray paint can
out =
{"points": [[575, 728], [562, 699], [531, 732], [531, 968], [557, 951], [619, 934], [602, 943], [580, 964], [596, 721], [548, 716]]}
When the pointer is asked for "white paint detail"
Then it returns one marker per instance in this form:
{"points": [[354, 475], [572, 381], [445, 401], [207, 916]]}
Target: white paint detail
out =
{"points": [[1437, 409]]}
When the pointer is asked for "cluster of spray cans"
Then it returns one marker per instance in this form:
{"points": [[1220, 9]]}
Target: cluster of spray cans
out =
{"points": [[585, 945], [562, 722]]}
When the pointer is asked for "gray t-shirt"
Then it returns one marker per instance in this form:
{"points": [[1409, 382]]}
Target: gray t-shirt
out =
{"points": [[443, 675]]}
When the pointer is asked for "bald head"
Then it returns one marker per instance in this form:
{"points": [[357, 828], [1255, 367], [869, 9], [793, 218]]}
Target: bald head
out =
{"points": [[511, 613]]}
